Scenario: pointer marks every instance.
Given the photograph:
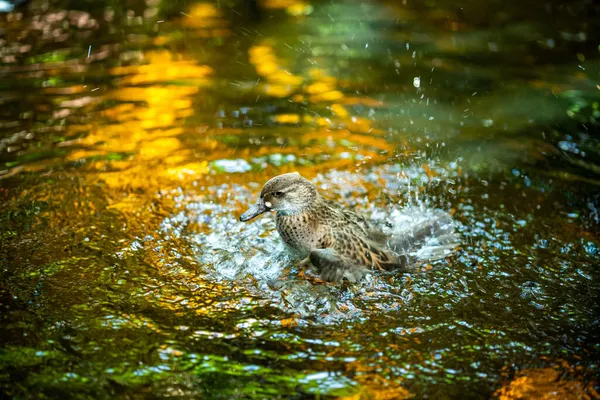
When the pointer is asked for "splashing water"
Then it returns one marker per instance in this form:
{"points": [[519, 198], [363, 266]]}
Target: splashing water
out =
{"points": [[254, 254]]}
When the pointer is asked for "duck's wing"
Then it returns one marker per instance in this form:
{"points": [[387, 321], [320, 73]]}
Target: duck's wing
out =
{"points": [[351, 256], [343, 217], [334, 265]]}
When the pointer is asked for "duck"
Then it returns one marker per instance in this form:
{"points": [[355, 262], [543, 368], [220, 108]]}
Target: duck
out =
{"points": [[338, 242]]}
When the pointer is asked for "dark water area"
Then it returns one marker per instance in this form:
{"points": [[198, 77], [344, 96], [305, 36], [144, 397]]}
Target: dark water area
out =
{"points": [[134, 133]]}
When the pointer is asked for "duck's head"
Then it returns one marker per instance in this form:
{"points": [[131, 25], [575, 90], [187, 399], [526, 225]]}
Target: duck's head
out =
{"points": [[287, 193]]}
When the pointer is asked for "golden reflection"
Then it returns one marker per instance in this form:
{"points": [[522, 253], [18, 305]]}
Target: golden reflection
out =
{"points": [[376, 390], [292, 7], [141, 131], [546, 384], [75, 89], [279, 81], [162, 67], [339, 110], [323, 92], [207, 20], [188, 170], [374, 385], [183, 292], [139, 139]]}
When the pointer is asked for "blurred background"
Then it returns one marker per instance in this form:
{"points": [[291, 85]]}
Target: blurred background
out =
{"points": [[133, 133]]}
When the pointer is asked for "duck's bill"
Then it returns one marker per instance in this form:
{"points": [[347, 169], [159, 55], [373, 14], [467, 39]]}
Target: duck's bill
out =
{"points": [[253, 211]]}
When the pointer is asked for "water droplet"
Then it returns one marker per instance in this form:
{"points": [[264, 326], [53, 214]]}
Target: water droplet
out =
{"points": [[417, 81]]}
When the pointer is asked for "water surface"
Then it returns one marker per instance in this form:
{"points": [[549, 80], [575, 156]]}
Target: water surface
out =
{"points": [[133, 134]]}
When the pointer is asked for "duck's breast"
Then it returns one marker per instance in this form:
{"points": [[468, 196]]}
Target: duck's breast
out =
{"points": [[299, 231]]}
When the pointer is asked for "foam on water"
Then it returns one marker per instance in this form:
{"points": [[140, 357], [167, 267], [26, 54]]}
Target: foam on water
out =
{"points": [[252, 254]]}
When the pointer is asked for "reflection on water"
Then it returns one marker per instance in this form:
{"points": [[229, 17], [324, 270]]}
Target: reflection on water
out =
{"points": [[133, 135]]}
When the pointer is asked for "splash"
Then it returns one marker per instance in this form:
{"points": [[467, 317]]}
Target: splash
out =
{"points": [[253, 255]]}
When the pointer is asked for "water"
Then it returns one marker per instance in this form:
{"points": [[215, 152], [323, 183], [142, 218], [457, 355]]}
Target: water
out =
{"points": [[132, 136]]}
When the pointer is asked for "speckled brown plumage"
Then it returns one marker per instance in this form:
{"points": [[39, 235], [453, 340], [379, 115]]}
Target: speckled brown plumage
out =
{"points": [[338, 242], [354, 246]]}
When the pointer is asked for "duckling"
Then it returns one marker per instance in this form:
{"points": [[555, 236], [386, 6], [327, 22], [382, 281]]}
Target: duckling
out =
{"points": [[337, 241]]}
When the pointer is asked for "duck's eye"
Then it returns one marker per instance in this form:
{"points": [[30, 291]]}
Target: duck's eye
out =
{"points": [[277, 194]]}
